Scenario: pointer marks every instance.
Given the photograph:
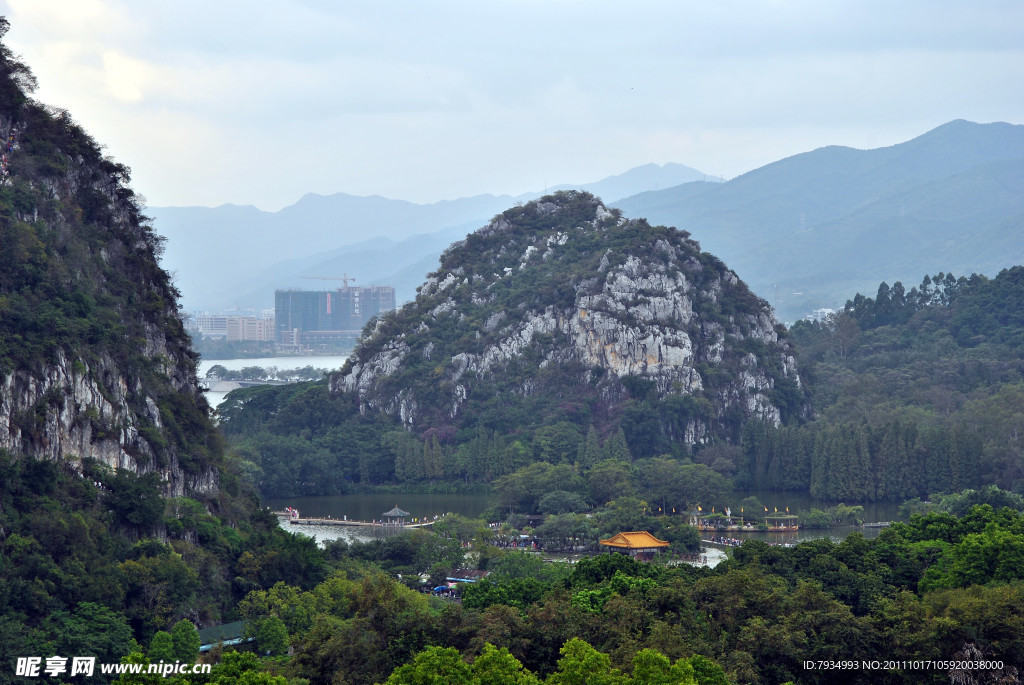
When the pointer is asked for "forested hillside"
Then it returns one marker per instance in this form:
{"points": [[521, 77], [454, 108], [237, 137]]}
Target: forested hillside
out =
{"points": [[917, 392], [120, 514]]}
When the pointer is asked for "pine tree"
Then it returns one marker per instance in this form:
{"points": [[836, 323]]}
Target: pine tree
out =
{"points": [[617, 449], [590, 450], [861, 484], [938, 475], [820, 465], [433, 458], [839, 450]]}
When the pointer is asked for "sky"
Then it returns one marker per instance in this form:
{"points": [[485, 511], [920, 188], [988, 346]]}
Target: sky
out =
{"points": [[259, 102]]}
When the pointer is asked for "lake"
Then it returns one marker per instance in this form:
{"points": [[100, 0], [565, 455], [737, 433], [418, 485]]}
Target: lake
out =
{"points": [[801, 501], [331, 363], [370, 507]]}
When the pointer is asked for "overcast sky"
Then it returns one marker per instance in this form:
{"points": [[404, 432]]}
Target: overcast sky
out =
{"points": [[259, 102]]}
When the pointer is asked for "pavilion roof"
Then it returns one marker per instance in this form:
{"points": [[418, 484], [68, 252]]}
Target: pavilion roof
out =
{"points": [[634, 540], [396, 512]]}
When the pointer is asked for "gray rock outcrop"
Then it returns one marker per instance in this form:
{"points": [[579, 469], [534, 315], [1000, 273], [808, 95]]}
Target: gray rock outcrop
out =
{"points": [[646, 304]]}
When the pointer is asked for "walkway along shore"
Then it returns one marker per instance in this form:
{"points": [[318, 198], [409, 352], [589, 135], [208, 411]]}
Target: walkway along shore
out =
{"points": [[347, 522]]}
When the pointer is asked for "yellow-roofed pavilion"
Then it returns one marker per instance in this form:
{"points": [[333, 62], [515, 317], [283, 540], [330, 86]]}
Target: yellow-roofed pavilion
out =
{"points": [[636, 544]]}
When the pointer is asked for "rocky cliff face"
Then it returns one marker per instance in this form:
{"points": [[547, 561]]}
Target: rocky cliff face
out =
{"points": [[68, 410], [564, 283], [94, 360]]}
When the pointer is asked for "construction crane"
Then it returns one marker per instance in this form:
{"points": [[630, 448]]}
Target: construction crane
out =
{"points": [[344, 278]]}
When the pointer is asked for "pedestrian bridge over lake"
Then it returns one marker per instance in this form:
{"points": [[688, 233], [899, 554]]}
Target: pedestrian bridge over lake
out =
{"points": [[299, 521]]}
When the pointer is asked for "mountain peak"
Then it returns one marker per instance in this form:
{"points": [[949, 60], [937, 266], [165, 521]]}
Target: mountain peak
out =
{"points": [[563, 297]]}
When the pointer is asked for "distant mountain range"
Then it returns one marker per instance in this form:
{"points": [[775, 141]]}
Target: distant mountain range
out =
{"points": [[811, 230], [236, 256], [805, 232]]}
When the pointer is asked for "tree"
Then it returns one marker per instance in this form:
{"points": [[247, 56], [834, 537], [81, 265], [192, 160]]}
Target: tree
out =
{"points": [[707, 672], [563, 530], [242, 668], [135, 500], [185, 640], [161, 647], [626, 514], [433, 549], [272, 637], [433, 666], [661, 479], [581, 664], [558, 443], [699, 484], [653, 668], [607, 480], [93, 630], [642, 430], [217, 371], [590, 450], [843, 333], [498, 667], [561, 502], [616, 448]]}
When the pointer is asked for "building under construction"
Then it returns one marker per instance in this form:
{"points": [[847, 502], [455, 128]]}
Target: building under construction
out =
{"points": [[312, 317]]}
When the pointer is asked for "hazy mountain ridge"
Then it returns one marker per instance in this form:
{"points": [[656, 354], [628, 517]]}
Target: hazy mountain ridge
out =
{"points": [[837, 220], [785, 227], [234, 255]]}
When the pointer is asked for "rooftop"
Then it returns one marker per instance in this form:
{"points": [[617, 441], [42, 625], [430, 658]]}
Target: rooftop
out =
{"points": [[634, 540]]}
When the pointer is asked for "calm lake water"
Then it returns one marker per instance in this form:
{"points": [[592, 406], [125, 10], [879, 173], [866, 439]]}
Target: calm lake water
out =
{"points": [[873, 511], [372, 507], [281, 363], [801, 502]]}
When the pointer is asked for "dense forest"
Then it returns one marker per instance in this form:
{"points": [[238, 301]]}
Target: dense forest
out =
{"points": [[941, 591], [916, 392], [913, 393]]}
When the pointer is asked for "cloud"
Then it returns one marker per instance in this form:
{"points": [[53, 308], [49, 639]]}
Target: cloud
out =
{"points": [[126, 78], [215, 101]]}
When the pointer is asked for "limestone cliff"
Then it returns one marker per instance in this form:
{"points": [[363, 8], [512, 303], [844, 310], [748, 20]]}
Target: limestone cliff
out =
{"points": [[563, 293], [94, 360]]}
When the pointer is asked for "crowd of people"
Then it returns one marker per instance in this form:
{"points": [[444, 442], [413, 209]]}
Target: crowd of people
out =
{"points": [[728, 542]]}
